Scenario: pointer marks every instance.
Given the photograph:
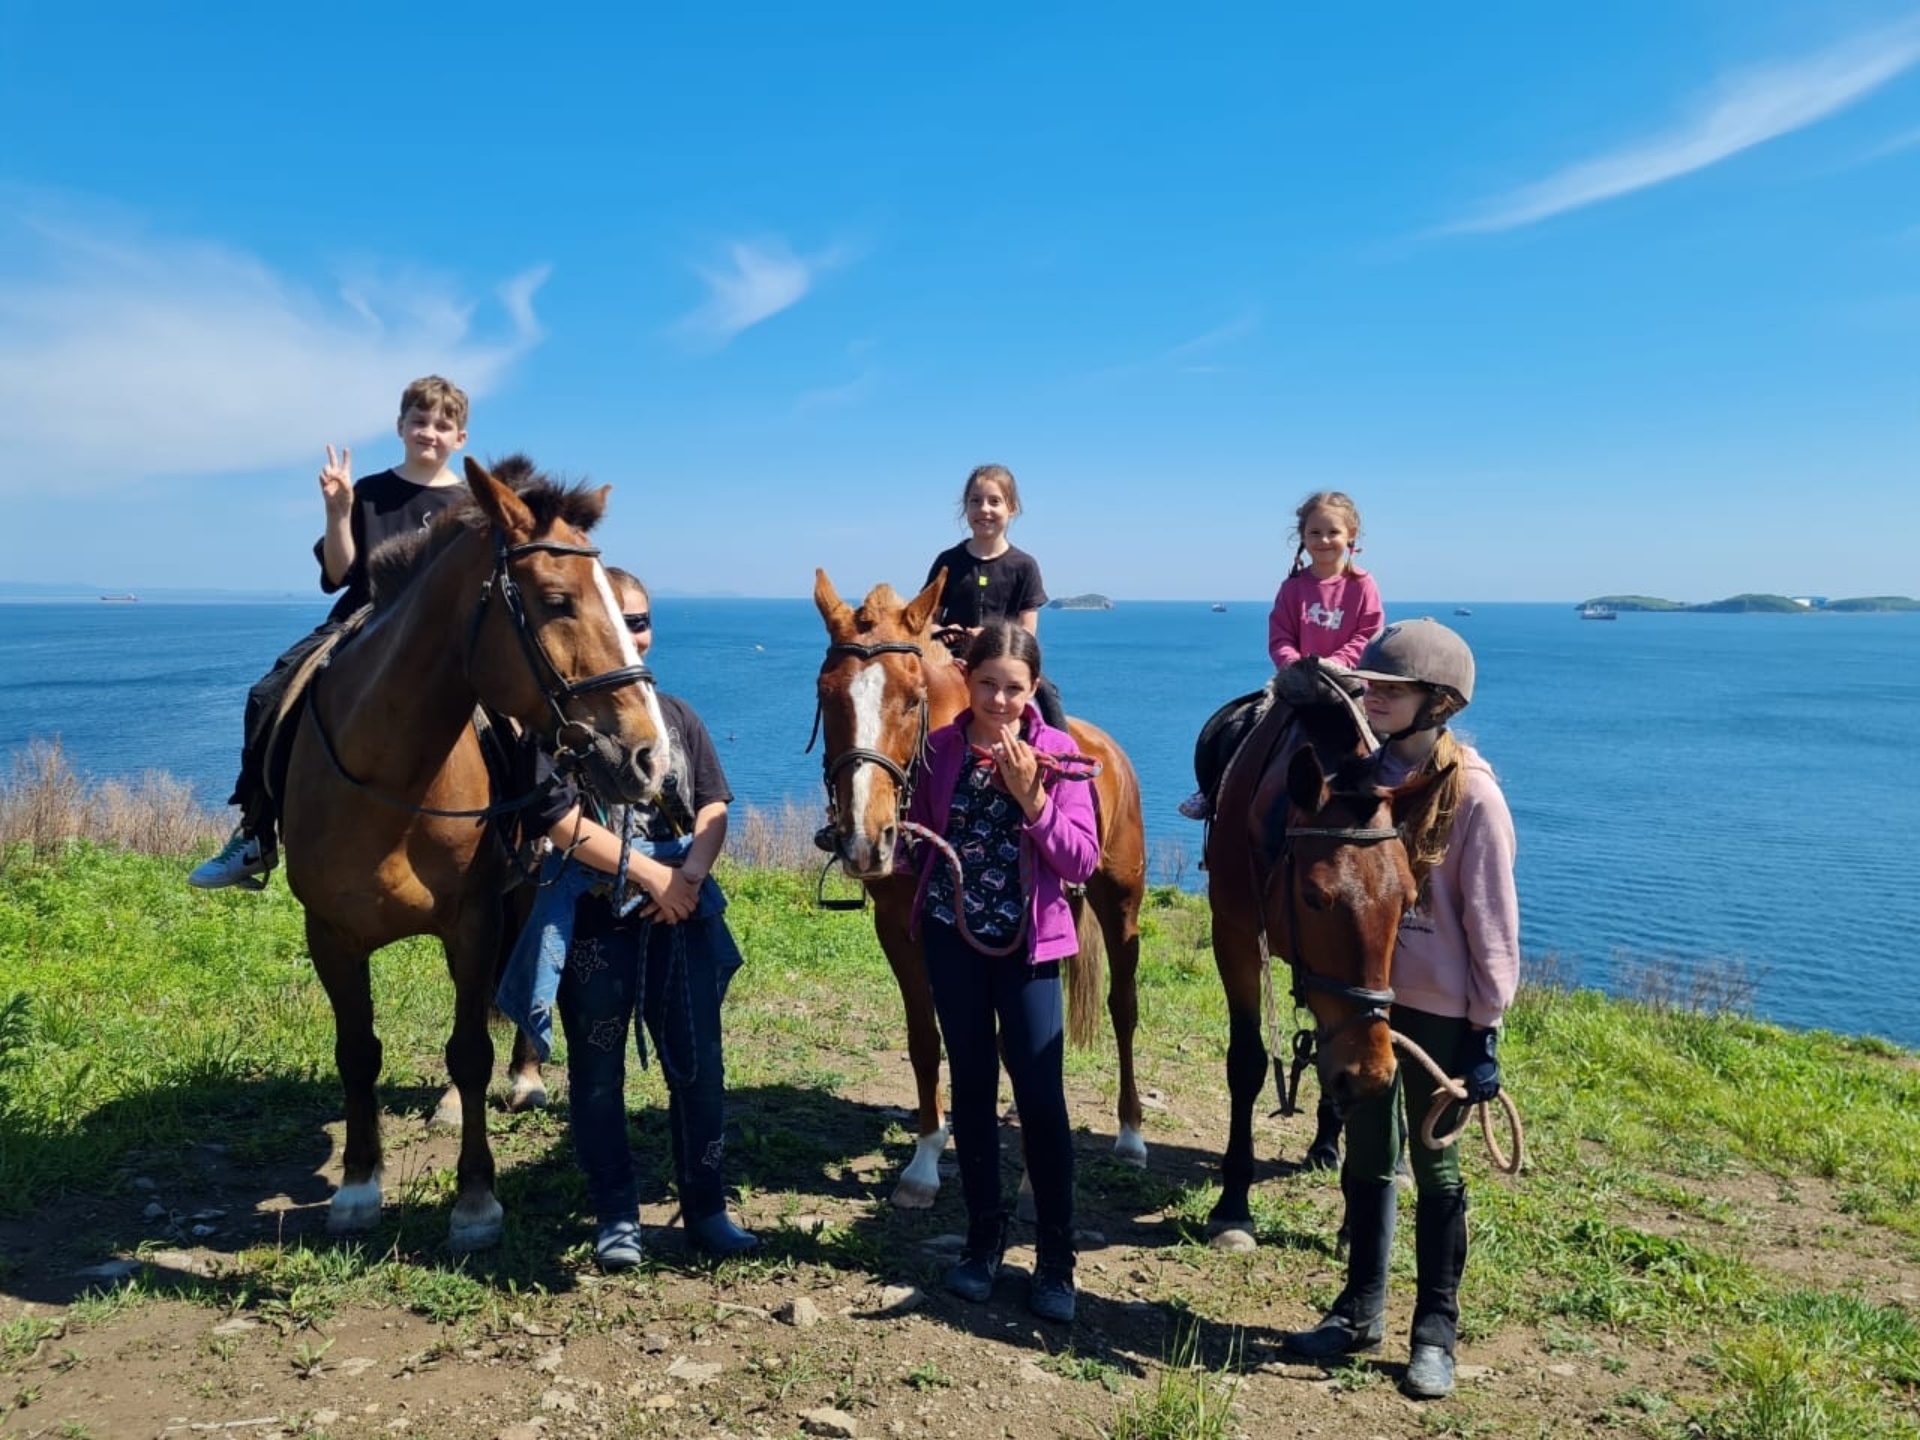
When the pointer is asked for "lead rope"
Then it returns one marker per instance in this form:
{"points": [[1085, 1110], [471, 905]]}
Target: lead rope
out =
{"points": [[1449, 1092]]}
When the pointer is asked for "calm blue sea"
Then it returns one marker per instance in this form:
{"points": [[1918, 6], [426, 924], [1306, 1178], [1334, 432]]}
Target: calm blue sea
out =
{"points": [[1688, 788]]}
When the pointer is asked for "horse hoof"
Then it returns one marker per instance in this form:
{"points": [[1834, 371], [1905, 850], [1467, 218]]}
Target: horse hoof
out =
{"points": [[527, 1095], [914, 1195], [355, 1208], [1231, 1237], [476, 1225], [448, 1114], [1130, 1148]]}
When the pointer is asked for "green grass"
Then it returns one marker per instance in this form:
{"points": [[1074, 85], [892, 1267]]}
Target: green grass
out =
{"points": [[139, 1019]]}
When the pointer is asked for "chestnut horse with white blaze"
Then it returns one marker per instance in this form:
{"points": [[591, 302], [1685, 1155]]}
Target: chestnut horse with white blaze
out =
{"points": [[387, 803], [1305, 862], [885, 684]]}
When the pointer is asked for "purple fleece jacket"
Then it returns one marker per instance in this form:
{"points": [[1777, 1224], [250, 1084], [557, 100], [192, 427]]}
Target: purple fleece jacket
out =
{"points": [[1062, 845]]}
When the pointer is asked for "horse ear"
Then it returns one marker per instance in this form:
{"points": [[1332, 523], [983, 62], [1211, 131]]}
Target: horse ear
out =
{"points": [[1306, 781], [920, 609], [499, 504], [827, 600]]}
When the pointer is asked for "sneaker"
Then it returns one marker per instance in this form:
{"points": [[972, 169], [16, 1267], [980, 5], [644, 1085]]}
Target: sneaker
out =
{"points": [[1195, 806], [617, 1246], [1052, 1295], [243, 860]]}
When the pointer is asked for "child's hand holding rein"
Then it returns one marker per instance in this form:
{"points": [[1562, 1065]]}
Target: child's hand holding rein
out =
{"points": [[1019, 771]]}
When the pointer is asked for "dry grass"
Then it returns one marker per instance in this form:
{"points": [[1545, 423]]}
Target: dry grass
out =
{"points": [[44, 805], [775, 839]]}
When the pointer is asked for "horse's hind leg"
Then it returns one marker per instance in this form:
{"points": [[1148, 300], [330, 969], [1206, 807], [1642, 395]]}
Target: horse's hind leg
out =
{"points": [[476, 1222], [1117, 907], [343, 970], [529, 1085]]}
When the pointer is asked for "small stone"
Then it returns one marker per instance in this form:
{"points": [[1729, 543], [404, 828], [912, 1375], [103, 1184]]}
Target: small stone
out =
{"points": [[1473, 1372], [694, 1372], [355, 1365], [945, 1244], [653, 1342], [1152, 1100], [828, 1421], [1565, 1372], [144, 1182], [181, 1260], [1089, 1238], [525, 1430], [325, 1417], [238, 1325], [1028, 1373], [208, 1215], [559, 1402], [200, 1232], [154, 1211], [549, 1363], [659, 1402], [901, 1299], [799, 1312]]}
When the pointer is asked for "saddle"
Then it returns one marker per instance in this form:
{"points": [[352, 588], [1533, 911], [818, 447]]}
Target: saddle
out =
{"points": [[1269, 711]]}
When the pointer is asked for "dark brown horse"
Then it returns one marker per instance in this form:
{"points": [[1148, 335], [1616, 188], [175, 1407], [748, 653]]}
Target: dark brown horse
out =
{"points": [[884, 685], [505, 604], [1304, 862]]}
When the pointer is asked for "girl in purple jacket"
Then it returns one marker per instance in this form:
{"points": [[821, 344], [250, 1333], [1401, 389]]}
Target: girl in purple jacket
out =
{"points": [[994, 928]]}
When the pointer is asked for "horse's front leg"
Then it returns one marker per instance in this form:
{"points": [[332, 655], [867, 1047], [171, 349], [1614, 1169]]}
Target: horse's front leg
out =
{"points": [[1237, 956], [476, 1222], [343, 969], [919, 1183]]}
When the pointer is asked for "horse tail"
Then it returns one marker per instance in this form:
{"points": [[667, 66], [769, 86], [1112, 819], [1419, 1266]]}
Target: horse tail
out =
{"points": [[1086, 977]]}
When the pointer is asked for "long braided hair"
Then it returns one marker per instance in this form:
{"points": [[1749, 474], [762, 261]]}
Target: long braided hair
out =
{"points": [[1340, 505]]}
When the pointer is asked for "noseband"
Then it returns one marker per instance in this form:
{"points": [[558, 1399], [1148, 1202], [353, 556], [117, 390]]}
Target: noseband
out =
{"points": [[855, 756], [1373, 1005]]}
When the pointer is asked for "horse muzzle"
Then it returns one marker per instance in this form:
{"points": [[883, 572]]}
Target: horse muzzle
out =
{"points": [[608, 770]]}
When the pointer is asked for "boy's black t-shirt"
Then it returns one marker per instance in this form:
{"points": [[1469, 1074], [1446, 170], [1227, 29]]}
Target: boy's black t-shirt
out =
{"points": [[384, 505], [978, 591]]}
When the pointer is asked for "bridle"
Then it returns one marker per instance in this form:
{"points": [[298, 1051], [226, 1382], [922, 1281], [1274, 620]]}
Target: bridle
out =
{"points": [[579, 752], [831, 767]]}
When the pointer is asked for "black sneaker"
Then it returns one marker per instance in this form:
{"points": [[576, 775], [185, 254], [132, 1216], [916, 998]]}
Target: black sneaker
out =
{"points": [[1052, 1295]]}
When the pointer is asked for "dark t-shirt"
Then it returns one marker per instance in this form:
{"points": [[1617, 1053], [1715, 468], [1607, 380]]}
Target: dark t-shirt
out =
{"points": [[384, 505], [977, 591]]}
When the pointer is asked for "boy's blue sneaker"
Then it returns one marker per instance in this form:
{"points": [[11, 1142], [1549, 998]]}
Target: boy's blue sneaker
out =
{"points": [[617, 1246], [719, 1236], [1052, 1295], [244, 860]]}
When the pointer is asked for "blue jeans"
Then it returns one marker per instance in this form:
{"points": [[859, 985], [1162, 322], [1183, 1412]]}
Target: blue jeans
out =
{"points": [[675, 976], [981, 998]]}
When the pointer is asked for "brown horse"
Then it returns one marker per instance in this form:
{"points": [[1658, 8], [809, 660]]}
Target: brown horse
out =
{"points": [[884, 685], [501, 603], [1304, 860]]}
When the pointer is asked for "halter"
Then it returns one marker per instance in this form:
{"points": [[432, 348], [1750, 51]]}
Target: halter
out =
{"points": [[1373, 1004]]}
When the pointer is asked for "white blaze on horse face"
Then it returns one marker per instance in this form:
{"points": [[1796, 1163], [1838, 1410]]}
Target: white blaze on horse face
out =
{"points": [[660, 758], [868, 692]]}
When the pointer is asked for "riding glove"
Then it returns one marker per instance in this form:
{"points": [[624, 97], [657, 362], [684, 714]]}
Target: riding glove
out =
{"points": [[1477, 1064]]}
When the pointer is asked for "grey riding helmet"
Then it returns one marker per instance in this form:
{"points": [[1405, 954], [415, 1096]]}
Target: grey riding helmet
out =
{"points": [[1423, 652]]}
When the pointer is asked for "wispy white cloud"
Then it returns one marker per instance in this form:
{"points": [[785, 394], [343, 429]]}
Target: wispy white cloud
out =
{"points": [[1191, 356], [125, 356], [756, 282], [1744, 110]]}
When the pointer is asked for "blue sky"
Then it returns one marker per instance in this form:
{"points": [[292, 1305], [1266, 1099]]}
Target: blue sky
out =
{"points": [[1571, 299]]}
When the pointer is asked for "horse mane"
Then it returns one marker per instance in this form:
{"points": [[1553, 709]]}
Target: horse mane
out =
{"points": [[392, 566]]}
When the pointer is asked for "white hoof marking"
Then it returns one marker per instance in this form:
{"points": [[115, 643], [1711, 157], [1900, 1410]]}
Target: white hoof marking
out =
{"points": [[528, 1094], [354, 1208], [920, 1181], [476, 1225], [1231, 1238], [1130, 1147]]}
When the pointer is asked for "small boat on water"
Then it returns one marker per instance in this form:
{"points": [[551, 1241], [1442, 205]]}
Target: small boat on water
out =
{"points": [[119, 599], [1598, 612], [1461, 610], [1218, 608]]}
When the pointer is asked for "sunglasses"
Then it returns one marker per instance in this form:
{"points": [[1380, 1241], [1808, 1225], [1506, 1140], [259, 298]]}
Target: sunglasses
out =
{"points": [[639, 624]]}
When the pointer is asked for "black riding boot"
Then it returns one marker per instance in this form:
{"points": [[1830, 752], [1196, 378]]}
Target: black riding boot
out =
{"points": [[972, 1279], [1358, 1319], [1052, 1295], [1440, 1252]]}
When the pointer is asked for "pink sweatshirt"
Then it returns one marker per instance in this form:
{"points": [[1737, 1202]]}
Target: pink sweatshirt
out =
{"points": [[1460, 953], [1333, 619]]}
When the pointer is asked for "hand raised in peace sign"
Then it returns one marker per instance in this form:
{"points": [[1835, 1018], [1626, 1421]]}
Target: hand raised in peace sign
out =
{"points": [[336, 483]]}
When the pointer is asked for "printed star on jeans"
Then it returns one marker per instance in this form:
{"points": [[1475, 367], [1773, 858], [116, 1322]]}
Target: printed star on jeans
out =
{"points": [[605, 1034], [587, 958]]}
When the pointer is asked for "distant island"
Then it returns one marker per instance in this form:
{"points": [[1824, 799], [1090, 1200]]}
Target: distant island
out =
{"points": [[1080, 602], [1757, 604]]}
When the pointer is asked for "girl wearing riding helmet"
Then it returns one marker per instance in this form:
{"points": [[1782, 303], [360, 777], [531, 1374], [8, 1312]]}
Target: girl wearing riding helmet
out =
{"points": [[1455, 967], [994, 935]]}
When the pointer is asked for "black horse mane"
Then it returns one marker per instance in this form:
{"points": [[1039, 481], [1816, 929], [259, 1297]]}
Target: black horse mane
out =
{"points": [[393, 565]]}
